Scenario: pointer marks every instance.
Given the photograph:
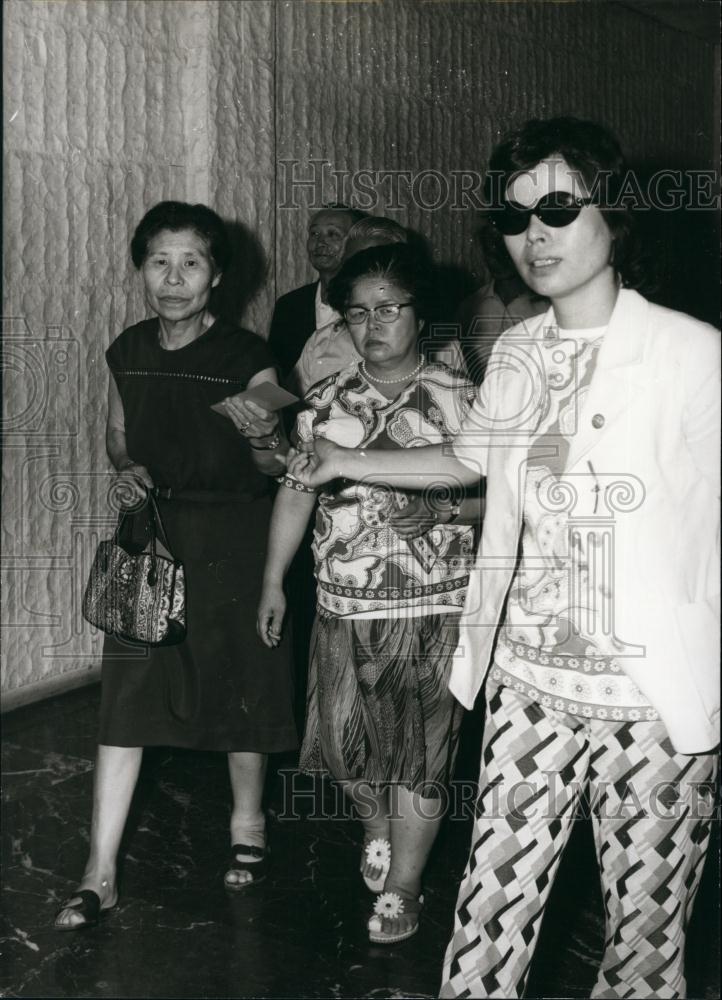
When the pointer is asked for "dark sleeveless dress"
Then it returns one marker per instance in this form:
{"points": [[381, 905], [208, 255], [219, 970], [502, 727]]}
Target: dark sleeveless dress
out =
{"points": [[221, 688]]}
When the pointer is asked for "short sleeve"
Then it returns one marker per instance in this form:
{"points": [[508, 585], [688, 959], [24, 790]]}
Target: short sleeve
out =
{"points": [[127, 350]]}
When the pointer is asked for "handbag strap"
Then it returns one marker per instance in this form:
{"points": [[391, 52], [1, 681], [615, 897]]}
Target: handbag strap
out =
{"points": [[158, 529]]}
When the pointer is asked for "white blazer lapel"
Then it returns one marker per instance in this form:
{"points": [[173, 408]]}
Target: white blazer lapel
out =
{"points": [[618, 377]]}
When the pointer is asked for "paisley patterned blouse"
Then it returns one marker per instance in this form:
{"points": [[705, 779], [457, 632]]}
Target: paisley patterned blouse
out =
{"points": [[363, 568], [552, 646]]}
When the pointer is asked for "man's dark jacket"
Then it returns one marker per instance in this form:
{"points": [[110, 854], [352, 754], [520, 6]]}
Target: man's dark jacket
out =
{"points": [[293, 322]]}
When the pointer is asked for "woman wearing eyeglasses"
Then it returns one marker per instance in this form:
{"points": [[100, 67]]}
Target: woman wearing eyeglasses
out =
{"points": [[597, 430], [392, 571]]}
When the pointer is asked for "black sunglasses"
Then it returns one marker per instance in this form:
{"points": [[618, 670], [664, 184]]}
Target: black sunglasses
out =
{"points": [[556, 209]]}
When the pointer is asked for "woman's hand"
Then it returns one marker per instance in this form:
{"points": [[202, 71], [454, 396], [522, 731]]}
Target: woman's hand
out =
{"points": [[298, 463], [132, 483], [416, 518], [271, 612], [315, 463], [252, 420]]}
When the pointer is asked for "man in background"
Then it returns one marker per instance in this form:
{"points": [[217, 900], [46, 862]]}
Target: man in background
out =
{"points": [[298, 313], [330, 348]]}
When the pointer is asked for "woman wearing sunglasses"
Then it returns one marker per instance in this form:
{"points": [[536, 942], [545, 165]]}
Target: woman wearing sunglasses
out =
{"points": [[392, 570], [597, 431]]}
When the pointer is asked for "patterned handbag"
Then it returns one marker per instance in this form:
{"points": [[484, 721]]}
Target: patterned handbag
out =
{"points": [[138, 597]]}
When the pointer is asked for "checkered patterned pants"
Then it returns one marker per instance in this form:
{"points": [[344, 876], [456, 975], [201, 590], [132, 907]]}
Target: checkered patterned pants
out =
{"points": [[651, 810]]}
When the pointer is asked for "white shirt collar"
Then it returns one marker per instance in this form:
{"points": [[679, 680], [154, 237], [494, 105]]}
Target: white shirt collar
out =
{"points": [[324, 313]]}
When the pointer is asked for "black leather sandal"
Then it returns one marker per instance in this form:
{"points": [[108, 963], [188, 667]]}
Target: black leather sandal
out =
{"points": [[256, 869], [89, 909]]}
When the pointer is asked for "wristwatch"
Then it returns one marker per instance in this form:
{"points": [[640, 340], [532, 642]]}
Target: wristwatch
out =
{"points": [[453, 511], [269, 445]]}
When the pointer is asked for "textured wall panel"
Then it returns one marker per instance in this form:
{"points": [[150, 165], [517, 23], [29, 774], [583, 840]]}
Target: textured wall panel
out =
{"points": [[410, 87], [111, 106], [242, 165], [101, 104]]}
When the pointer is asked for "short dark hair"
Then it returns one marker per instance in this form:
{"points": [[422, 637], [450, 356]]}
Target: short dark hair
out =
{"points": [[587, 147], [177, 215], [397, 262]]}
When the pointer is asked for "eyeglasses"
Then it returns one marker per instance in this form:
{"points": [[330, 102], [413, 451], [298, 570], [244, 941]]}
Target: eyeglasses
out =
{"points": [[387, 313], [556, 209]]}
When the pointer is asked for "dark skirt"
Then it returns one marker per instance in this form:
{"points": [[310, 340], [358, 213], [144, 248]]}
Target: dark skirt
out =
{"points": [[379, 707], [221, 688]]}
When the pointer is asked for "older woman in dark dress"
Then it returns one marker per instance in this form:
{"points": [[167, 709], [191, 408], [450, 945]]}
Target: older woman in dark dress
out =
{"points": [[221, 688]]}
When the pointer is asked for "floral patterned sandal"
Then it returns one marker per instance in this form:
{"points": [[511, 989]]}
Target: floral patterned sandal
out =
{"points": [[376, 853], [392, 905]]}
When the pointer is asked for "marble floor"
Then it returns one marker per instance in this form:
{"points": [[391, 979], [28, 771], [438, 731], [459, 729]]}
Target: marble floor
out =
{"points": [[177, 933]]}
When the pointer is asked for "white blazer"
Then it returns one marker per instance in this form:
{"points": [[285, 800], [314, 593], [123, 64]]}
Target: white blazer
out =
{"points": [[649, 426]]}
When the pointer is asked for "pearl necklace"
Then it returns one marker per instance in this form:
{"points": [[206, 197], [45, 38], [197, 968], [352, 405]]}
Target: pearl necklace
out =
{"points": [[391, 381]]}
